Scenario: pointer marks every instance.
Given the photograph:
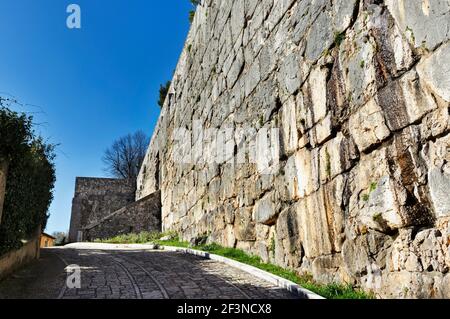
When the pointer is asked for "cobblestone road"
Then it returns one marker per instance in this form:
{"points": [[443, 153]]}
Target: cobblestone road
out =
{"points": [[138, 274]]}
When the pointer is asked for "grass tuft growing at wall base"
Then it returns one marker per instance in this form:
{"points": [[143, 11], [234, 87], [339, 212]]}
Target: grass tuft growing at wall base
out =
{"points": [[141, 238], [329, 291]]}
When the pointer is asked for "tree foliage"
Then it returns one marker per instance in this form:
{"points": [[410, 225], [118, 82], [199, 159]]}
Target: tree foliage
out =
{"points": [[30, 180], [195, 3], [163, 91], [61, 238], [124, 158], [15, 133]]}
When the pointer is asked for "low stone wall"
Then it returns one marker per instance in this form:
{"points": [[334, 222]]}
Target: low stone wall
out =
{"points": [[18, 258], [143, 215], [3, 174]]}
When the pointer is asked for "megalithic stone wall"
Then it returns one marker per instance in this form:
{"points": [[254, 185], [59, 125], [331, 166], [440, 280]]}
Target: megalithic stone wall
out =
{"points": [[333, 150]]}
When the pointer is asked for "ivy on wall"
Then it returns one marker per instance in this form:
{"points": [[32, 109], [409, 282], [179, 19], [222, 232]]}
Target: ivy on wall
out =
{"points": [[30, 180]]}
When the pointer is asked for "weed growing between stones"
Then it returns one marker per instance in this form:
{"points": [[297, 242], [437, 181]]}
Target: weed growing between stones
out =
{"points": [[339, 37]]}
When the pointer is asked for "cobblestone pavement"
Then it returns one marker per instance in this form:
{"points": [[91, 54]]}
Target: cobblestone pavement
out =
{"points": [[133, 274]]}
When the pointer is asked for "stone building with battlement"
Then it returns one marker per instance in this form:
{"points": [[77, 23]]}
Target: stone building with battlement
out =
{"points": [[104, 208]]}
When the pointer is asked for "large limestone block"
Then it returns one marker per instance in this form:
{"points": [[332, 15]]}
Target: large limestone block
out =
{"points": [[437, 155], [330, 22], [318, 91], [430, 245], [237, 19], [314, 228], [355, 256], [390, 42], [229, 239], [235, 69], [277, 12], [326, 269], [289, 126], [288, 247], [439, 184], [358, 73], [426, 22], [368, 127], [252, 78], [336, 157], [342, 14], [363, 65], [382, 211], [418, 101], [410, 99], [322, 131], [435, 71], [389, 186], [302, 173], [435, 123], [374, 201], [335, 196], [320, 36], [266, 209], [244, 226], [290, 74], [303, 14], [313, 107], [411, 285]]}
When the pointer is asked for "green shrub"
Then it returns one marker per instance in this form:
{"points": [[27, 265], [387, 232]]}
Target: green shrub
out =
{"points": [[163, 91], [141, 238], [195, 3], [30, 180], [339, 37]]}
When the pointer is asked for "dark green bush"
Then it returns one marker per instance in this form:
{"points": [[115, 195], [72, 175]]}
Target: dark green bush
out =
{"points": [[195, 3], [163, 91], [15, 133], [30, 180]]}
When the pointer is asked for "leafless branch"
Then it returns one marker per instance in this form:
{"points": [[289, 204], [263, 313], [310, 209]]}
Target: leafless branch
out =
{"points": [[125, 156]]}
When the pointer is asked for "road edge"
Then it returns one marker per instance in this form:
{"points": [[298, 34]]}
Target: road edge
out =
{"points": [[259, 273], [273, 279]]}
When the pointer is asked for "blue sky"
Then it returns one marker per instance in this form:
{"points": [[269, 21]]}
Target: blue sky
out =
{"points": [[93, 85]]}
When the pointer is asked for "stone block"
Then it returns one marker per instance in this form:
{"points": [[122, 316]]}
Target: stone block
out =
{"points": [[434, 72], [266, 210], [425, 23], [368, 127], [289, 127], [244, 226]]}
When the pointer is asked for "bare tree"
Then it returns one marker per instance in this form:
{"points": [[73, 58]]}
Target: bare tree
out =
{"points": [[124, 158]]}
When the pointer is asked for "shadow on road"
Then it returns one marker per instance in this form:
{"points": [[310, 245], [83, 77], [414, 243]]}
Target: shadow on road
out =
{"points": [[135, 274], [41, 279]]}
